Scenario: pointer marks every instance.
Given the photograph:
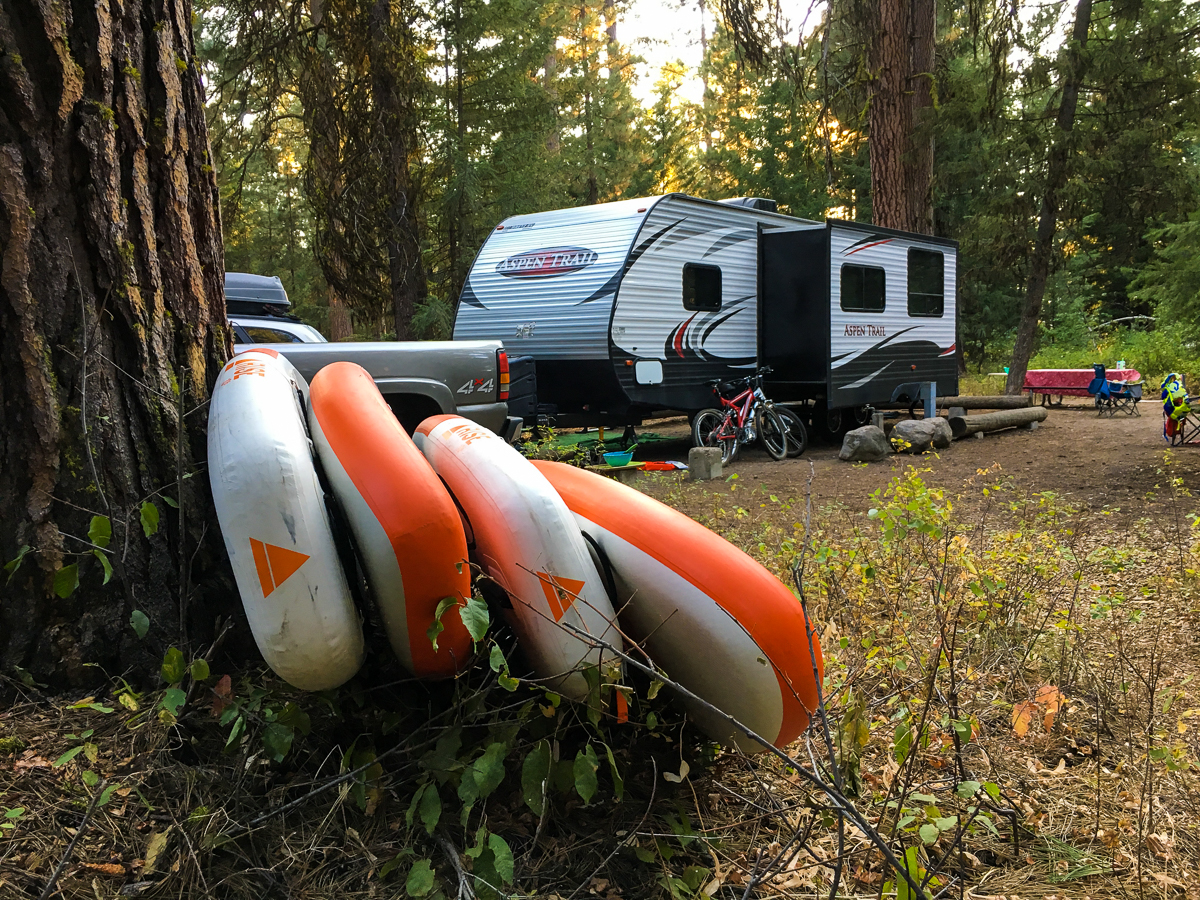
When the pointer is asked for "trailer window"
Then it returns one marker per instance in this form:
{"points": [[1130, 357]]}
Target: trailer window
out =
{"points": [[862, 289], [701, 287], [926, 283]]}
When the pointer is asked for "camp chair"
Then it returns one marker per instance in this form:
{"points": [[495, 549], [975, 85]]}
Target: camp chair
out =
{"points": [[1114, 396]]}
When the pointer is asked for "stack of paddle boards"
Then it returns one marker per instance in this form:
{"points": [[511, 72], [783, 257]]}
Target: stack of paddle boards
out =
{"points": [[584, 562]]}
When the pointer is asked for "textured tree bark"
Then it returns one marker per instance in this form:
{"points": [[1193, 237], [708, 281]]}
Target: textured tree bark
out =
{"points": [[900, 115], [1075, 66], [920, 86], [112, 329], [889, 115], [392, 82]]}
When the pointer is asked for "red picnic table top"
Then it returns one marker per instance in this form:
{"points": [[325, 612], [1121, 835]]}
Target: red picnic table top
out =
{"points": [[1071, 382]]}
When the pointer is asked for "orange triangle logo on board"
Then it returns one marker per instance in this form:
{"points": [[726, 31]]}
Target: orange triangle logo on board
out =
{"points": [[560, 593], [274, 565]]}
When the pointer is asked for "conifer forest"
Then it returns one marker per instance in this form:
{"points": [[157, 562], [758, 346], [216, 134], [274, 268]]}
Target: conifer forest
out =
{"points": [[976, 660]]}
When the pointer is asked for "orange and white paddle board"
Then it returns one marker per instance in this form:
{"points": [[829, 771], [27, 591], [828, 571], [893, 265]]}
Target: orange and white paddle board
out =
{"points": [[407, 530], [714, 619], [272, 513], [527, 541]]}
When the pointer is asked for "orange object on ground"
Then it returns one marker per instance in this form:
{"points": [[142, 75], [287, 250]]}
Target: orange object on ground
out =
{"points": [[528, 543], [408, 532], [714, 619], [276, 528]]}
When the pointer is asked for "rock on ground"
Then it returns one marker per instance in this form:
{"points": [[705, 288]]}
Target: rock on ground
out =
{"points": [[919, 435], [865, 444]]}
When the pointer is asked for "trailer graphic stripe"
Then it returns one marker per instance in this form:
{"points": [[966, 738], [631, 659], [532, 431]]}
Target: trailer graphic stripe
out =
{"points": [[734, 237], [849, 252], [855, 353]]}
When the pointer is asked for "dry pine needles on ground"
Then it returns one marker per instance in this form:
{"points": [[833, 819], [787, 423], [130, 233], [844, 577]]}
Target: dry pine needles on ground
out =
{"points": [[1009, 688]]}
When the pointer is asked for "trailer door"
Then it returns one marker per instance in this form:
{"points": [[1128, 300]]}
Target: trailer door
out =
{"points": [[793, 318]]}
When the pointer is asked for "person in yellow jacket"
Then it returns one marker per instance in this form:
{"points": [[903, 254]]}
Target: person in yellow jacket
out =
{"points": [[1175, 404]]}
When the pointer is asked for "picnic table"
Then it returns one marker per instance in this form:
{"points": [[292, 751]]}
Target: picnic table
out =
{"points": [[1070, 382]]}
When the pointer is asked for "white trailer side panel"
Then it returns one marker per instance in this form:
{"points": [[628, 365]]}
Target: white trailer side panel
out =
{"points": [[871, 351], [650, 320], [544, 283]]}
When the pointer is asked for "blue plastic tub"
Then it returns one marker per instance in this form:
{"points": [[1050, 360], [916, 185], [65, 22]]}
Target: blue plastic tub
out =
{"points": [[619, 457]]}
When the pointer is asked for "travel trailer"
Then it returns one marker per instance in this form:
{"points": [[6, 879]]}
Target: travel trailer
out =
{"points": [[630, 308]]}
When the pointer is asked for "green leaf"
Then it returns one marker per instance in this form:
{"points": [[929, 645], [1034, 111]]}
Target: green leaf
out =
{"points": [[496, 659], [235, 733], [436, 627], [173, 700], [618, 781], [174, 667], [507, 682], [903, 742], [149, 519], [475, 617], [100, 532], [420, 879], [104, 564], [199, 670], [392, 864], [430, 808], [90, 778], [967, 789], [139, 622], [488, 770], [929, 832], [14, 813], [502, 857], [278, 739], [66, 580], [170, 501], [585, 768], [534, 772], [68, 756], [433, 631], [294, 717], [107, 796], [946, 823], [12, 565]]}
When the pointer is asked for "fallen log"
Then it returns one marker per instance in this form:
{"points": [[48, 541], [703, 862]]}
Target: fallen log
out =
{"points": [[963, 426], [1001, 401]]}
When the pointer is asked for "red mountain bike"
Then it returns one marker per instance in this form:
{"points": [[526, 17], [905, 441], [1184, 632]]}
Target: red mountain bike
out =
{"points": [[745, 417]]}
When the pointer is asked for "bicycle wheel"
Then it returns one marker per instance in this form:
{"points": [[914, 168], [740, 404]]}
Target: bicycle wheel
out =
{"points": [[773, 433], [797, 433], [712, 428]]}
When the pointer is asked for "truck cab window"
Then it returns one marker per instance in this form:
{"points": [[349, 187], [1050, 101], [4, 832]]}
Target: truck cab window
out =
{"points": [[862, 289], [926, 283], [701, 287], [271, 336]]}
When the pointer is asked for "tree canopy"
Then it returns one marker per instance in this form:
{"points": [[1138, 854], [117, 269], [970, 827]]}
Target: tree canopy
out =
{"points": [[367, 175]]}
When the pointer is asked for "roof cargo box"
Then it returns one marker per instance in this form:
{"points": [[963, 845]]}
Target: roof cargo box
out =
{"points": [[255, 295]]}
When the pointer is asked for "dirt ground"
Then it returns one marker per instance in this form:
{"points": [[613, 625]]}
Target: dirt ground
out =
{"points": [[1095, 464]]}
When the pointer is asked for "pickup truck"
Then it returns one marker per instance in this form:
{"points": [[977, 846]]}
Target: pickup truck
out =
{"points": [[423, 378]]}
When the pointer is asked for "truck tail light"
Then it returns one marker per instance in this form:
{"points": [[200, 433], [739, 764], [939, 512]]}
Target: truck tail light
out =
{"points": [[502, 359]]}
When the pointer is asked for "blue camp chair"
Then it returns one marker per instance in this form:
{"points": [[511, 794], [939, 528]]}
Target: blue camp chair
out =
{"points": [[1114, 396]]}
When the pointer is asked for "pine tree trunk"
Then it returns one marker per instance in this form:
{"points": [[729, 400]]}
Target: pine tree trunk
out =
{"points": [[393, 87], [900, 115], [890, 115], [112, 326], [920, 161], [1056, 176]]}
